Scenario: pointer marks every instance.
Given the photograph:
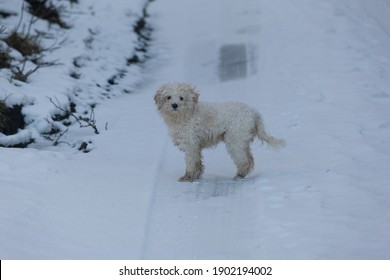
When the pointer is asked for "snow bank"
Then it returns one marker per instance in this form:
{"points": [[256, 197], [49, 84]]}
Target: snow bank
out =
{"points": [[87, 56]]}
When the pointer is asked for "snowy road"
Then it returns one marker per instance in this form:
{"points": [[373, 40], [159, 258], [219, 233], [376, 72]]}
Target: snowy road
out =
{"points": [[215, 217], [231, 58], [318, 71]]}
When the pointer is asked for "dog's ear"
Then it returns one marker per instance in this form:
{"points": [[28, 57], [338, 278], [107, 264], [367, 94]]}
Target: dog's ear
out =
{"points": [[194, 95], [158, 97]]}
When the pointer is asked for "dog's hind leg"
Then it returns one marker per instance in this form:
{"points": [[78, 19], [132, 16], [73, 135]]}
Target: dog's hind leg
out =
{"points": [[194, 166], [242, 157]]}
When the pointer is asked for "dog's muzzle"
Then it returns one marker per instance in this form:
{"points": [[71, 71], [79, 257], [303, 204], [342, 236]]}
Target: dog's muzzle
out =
{"points": [[174, 106]]}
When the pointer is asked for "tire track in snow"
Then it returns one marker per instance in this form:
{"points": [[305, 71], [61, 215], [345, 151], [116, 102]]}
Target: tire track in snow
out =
{"points": [[214, 218], [152, 202]]}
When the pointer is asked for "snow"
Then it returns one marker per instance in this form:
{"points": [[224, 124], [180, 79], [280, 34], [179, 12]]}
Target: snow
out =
{"points": [[319, 73]]}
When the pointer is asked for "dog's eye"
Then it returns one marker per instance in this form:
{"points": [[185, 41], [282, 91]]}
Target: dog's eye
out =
{"points": [[181, 98], [168, 97]]}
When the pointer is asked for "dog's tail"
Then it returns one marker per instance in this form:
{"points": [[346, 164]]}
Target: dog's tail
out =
{"points": [[272, 141]]}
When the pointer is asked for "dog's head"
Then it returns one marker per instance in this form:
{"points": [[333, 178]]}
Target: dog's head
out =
{"points": [[173, 99]]}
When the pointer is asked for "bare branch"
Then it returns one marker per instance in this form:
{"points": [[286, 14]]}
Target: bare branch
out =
{"points": [[82, 121]]}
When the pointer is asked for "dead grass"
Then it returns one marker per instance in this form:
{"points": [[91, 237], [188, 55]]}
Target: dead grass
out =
{"points": [[21, 74], [5, 58], [11, 119], [45, 9], [27, 45]]}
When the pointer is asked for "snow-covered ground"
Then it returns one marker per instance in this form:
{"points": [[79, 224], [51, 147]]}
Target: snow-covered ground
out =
{"points": [[318, 71]]}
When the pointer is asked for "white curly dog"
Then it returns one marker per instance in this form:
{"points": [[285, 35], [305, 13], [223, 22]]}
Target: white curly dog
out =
{"points": [[195, 125]]}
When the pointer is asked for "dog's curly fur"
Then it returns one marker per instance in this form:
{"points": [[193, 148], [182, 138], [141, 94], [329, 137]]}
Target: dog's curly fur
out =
{"points": [[195, 125]]}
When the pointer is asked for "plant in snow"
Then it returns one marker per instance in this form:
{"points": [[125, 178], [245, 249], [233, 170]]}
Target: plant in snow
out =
{"points": [[89, 121]]}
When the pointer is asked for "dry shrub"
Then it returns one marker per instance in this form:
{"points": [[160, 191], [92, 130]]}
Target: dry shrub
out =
{"points": [[44, 9], [27, 45], [11, 119], [5, 58]]}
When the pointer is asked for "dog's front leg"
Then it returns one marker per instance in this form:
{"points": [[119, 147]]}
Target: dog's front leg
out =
{"points": [[194, 166]]}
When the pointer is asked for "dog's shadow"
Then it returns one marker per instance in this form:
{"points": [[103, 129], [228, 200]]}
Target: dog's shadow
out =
{"points": [[215, 186]]}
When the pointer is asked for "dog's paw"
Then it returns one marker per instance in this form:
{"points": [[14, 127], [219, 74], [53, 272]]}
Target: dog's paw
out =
{"points": [[189, 177], [186, 178], [239, 177]]}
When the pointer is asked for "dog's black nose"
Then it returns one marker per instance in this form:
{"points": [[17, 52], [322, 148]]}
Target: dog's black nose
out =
{"points": [[174, 106]]}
